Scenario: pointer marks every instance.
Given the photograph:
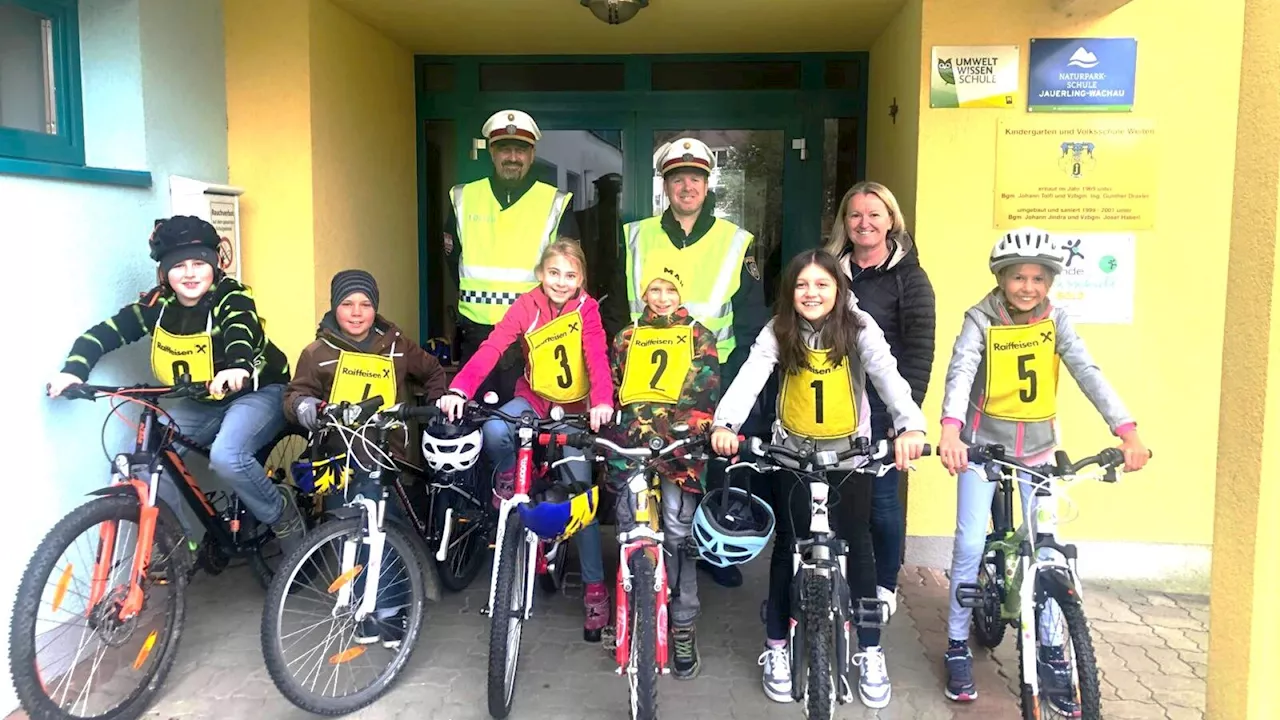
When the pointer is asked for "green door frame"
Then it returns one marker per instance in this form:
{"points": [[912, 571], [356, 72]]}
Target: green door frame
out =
{"points": [[638, 111]]}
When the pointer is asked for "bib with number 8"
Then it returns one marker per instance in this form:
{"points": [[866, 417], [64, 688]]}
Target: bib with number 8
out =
{"points": [[556, 369], [817, 402], [1022, 372], [174, 355], [361, 376], [658, 362]]}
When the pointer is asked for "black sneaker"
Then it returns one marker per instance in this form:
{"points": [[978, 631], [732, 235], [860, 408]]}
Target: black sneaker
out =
{"points": [[685, 657], [960, 685], [367, 631], [392, 631], [1055, 681]]}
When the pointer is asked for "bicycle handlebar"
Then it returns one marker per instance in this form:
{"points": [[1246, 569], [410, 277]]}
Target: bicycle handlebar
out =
{"points": [[1108, 459], [85, 391], [819, 460]]}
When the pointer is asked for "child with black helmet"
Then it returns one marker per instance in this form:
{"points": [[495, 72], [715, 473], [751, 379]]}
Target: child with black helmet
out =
{"points": [[205, 325]]}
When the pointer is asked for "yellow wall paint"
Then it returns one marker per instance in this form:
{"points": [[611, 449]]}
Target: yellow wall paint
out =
{"points": [[893, 77], [1167, 364], [364, 161], [269, 154]]}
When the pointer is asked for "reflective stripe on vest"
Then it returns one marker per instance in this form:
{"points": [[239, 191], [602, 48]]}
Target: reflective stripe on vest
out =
{"points": [[500, 247], [709, 298]]}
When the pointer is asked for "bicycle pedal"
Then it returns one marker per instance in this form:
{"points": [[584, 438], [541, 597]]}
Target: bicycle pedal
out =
{"points": [[572, 581], [970, 595]]}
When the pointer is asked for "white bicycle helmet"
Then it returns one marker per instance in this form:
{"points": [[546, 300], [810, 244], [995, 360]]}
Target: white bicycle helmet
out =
{"points": [[450, 448], [731, 526], [1026, 245]]}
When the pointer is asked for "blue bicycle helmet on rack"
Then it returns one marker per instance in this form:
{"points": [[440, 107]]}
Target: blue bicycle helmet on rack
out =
{"points": [[562, 511], [731, 526]]}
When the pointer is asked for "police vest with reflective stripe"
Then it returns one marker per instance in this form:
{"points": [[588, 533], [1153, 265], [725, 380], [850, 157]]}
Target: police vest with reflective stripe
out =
{"points": [[715, 262], [501, 247]]}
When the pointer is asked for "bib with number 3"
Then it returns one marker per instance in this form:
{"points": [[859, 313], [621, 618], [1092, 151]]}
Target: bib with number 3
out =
{"points": [[817, 402], [1022, 372], [361, 376], [658, 362], [174, 355], [556, 369]]}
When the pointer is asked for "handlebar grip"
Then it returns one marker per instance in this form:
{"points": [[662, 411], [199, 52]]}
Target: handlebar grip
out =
{"points": [[928, 450], [424, 412]]}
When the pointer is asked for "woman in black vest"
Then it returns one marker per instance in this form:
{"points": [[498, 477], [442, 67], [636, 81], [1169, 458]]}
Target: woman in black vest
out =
{"points": [[881, 261]]}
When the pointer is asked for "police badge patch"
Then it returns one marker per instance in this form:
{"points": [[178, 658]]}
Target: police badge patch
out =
{"points": [[751, 266]]}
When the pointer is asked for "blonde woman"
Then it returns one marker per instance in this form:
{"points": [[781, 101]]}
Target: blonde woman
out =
{"points": [[880, 259]]}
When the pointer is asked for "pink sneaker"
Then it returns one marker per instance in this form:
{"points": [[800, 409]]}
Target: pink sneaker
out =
{"points": [[595, 604], [504, 486]]}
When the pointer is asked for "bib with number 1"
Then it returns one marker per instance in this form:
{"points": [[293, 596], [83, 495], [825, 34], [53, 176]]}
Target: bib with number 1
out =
{"points": [[658, 362], [1022, 372], [817, 402], [556, 369], [174, 355], [361, 376]]}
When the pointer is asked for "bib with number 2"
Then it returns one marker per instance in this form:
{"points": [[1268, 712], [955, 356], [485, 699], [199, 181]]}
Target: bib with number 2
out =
{"points": [[1022, 372], [658, 362], [361, 376], [175, 355], [817, 402], [556, 369]]}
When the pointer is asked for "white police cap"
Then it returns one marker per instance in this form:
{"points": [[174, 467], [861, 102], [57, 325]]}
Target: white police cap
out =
{"points": [[684, 152], [511, 125]]}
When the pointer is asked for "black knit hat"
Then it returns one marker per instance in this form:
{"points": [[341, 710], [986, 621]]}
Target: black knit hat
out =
{"points": [[347, 282]]}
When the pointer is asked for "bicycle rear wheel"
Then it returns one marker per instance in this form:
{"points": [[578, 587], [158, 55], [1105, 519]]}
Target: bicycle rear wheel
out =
{"points": [[70, 654], [337, 668], [988, 622], [506, 617], [643, 667], [277, 458]]}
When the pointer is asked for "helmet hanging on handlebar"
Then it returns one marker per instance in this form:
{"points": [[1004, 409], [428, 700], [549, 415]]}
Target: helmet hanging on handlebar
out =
{"points": [[563, 511]]}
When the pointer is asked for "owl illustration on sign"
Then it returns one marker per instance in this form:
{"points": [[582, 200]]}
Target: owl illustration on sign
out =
{"points": [[946, 72], [1077, 158]]}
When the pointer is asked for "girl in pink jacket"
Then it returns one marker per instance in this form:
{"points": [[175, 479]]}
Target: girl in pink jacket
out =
{"points": [[566, 364]]}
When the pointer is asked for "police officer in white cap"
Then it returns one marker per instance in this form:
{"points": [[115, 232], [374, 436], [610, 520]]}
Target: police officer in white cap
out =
{"points": [[495, 235], [725, 293]]}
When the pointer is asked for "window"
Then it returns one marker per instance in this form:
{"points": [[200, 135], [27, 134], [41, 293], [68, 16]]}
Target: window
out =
{"points": [[552, 77], [40, 111]]}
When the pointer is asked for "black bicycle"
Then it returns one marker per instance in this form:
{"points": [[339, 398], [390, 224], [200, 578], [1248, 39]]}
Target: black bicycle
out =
{"points": [[100, 609]]}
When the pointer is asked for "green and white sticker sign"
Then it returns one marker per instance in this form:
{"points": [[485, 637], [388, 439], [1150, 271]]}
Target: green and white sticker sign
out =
{"points": [[968, 76]]}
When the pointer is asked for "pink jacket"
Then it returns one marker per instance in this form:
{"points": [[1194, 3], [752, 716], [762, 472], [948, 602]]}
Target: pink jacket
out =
{"points": [[531, 310]]}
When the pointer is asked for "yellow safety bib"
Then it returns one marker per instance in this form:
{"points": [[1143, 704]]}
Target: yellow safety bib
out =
{"points": [[361, 376], [1022, 372], [175, 355], [556, 369], [658, 363], [817, 402]]}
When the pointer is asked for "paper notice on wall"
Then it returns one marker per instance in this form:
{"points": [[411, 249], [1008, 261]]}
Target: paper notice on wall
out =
{"points": [[973, 76], [1097, 284], [220, 205]]}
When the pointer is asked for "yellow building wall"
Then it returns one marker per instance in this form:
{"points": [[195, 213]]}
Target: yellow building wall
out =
{"points": [[364, 161], [1167, 364], [893, 76]]}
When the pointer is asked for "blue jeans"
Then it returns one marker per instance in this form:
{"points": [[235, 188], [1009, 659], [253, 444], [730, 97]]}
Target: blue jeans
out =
{"points": [[500, 444], [234, 432], [888, 528], [393, 583]]}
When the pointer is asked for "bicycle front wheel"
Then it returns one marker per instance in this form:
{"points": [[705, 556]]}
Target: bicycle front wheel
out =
{"points": [[71, 654], [642, 671], [1076, 657], [818, 627], [506, 617], [318, 654], [468, 539]]}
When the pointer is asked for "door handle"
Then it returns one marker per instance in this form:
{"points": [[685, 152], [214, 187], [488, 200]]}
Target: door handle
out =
{"points": [[801, 144], [477, 144]]}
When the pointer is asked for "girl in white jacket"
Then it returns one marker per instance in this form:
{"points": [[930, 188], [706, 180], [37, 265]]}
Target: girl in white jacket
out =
{"points": [[825, 348]]}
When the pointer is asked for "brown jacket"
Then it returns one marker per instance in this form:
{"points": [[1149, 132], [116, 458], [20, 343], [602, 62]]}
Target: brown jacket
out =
{"points": [[416, 370]]}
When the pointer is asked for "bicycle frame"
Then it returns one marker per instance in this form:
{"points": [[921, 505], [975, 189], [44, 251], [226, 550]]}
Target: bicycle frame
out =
{"points": [[645, 536], [524, 483]]}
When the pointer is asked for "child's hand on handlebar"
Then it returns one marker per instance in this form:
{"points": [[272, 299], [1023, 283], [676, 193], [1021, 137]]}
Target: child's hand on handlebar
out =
{"points": [[1135, 453], [907, 447], [61, 382], [953, 451], [601, 415], [451, 405], [228, 381], [724, 441]]}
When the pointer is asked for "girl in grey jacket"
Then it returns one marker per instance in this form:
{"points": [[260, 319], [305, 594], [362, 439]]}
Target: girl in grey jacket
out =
{"points": [[1001, 388], [825, 348]]}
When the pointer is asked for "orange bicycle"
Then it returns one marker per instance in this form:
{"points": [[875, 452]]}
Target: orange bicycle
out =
{"points": [[100, 609]]}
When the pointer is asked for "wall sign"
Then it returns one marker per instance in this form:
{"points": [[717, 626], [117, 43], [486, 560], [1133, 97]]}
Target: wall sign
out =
{"points": [[1097, 284], [1082, 74], [220, 205], [1079, 174], [973, 76]]}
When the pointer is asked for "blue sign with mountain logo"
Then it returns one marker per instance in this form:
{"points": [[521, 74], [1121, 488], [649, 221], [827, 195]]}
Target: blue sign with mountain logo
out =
{"points": [[1082, 74]]}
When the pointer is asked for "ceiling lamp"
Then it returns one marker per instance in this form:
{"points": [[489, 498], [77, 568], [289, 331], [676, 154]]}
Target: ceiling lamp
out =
{"points": [[615, 12]]}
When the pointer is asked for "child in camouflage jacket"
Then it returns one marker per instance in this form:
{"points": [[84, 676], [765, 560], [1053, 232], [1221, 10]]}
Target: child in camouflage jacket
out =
{"points": [[666, 371]]}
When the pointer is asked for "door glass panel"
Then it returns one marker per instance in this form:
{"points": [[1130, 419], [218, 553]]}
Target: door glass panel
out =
{"points": [[725, 75], [839, 166], [552, 77], [27, 99], [747, 184]]}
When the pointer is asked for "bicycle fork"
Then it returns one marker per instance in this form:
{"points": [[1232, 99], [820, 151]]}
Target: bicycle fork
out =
{"points": [[104, 563], [375, 538], [622, 605]]}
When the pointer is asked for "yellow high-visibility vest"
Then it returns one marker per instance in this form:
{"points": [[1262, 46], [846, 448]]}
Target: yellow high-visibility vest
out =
{"points": [[501, 247], [715, 264]]}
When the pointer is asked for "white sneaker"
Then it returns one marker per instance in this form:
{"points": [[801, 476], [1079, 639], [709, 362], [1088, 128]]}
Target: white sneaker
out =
{"points": [[873, 677], [777, 673], [889, 597]]}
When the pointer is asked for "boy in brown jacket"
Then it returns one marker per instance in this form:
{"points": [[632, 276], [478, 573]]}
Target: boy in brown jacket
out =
{"points": [[358, 354]]}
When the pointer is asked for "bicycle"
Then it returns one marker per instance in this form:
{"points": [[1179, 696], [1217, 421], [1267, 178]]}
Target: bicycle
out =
{"points": [[821, 604], [137, 553], [997, 598], [327, 571], [639, 639]]}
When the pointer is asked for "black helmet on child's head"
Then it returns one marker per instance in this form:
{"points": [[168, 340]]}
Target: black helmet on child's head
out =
{"points": [[184, 237]]}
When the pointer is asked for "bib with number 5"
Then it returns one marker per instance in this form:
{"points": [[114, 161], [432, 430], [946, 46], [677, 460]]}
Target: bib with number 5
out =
{"points": [[361, 376], [556, 370], [174, 355], [1022, 372], [817, 402], [658, 363]]}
